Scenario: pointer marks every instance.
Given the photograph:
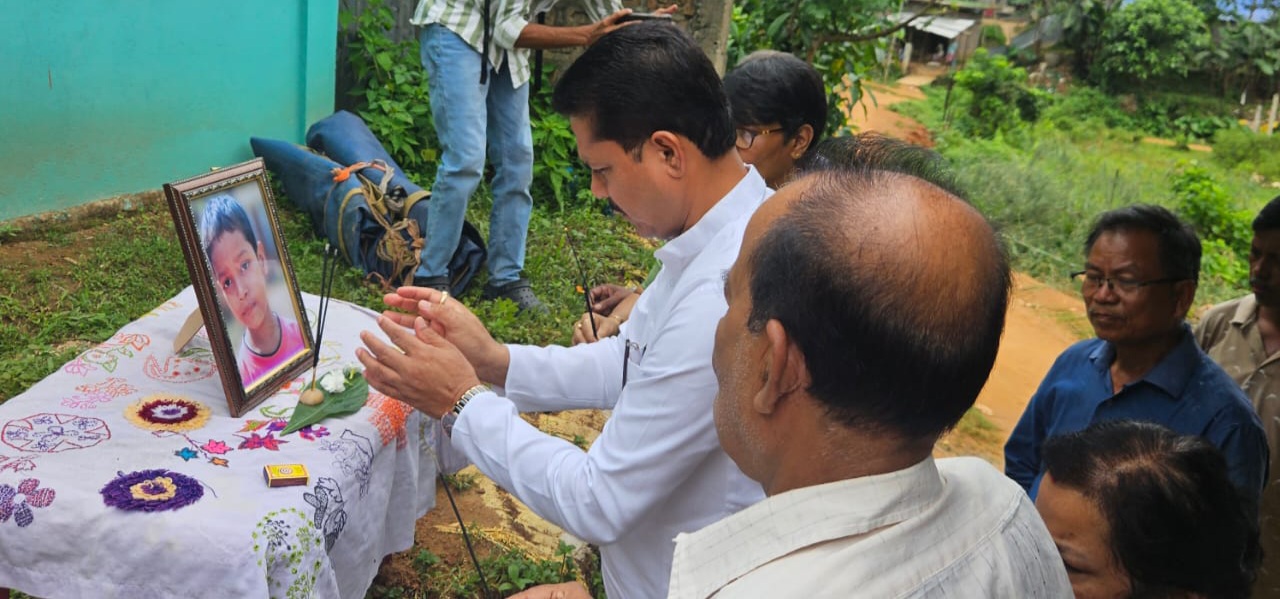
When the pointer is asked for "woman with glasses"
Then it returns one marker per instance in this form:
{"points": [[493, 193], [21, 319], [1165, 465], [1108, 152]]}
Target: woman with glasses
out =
{"points": [[780, 112], [779, 109]]}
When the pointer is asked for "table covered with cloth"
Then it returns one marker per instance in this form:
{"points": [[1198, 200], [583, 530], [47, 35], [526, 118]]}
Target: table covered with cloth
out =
{"points": [[98, 499]]}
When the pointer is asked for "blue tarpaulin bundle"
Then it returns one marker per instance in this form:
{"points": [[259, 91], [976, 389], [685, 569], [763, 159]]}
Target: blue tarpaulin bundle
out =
{"points": [[360, 200]]}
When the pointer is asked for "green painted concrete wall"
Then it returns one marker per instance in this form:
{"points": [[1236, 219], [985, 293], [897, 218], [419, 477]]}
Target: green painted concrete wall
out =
{"points": [[99, 99]]}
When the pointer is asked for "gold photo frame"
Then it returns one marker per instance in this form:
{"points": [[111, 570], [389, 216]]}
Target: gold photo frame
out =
{"points": [[240, 269]]}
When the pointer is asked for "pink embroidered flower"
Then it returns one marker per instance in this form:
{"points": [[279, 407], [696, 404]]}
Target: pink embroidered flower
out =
{"points": [[78, 367], [216, 447], [256, 441], [17, 502]]}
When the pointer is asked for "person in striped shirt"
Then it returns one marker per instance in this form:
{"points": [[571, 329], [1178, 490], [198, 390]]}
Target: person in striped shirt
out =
{"points": [[476, 55]]}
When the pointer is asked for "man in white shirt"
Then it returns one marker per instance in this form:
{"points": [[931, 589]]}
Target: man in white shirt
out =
{"points": [[865, 310], [652, 123]]}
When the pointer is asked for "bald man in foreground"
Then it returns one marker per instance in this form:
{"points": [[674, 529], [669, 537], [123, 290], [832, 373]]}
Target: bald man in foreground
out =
{"points": [[865, 311]]}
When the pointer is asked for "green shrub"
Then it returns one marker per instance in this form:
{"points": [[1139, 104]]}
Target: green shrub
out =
{"points": [[1084, 112], [996, 97], [1221, 267], [1205, 203], [558, 178], [1169, 114], [391, 86], [1240, 148], [993, 36]]}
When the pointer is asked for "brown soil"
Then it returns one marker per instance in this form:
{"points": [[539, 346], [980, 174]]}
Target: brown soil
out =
{"points": [[1170, 143], [872, 112]]}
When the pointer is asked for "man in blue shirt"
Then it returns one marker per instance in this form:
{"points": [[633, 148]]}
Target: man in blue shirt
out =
{"points": [[1141, 271]]}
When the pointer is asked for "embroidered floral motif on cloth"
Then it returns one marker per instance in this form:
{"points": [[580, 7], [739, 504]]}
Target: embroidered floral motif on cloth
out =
{"points": [[163, 412], [151, 491], [16, 502], [52, 433]]}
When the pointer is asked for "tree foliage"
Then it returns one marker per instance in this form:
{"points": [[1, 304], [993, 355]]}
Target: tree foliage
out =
{"points": [[843, 39], [996, 95], [1082, 24], [1243, 54], [1151, 39]]}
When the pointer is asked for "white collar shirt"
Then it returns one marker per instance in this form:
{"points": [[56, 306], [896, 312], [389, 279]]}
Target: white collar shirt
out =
{"points": [[657, 468], [952, 528]]}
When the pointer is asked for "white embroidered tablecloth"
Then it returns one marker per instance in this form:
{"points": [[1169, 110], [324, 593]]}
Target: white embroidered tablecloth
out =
{"points": [[69, 453]]}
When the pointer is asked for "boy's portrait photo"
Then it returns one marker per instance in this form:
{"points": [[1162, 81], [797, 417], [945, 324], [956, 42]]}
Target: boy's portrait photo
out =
{"points": [[246, 277], [249, 299]]}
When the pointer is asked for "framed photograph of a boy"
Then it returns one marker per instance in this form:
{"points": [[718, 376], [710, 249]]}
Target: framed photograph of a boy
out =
{"points": [[249, 298]]}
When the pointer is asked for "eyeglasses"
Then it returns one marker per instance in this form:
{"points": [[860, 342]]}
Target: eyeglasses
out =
{"points": [[1090, 283], [746, 136]]}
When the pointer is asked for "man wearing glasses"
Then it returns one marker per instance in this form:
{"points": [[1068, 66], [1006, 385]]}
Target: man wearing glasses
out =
{"points": [[1141, 269]]}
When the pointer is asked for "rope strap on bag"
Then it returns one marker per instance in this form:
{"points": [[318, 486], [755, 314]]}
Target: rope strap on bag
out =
{"points": [[402, 242]]}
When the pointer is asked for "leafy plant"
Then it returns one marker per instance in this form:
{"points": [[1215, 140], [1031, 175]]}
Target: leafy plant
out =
{"points": [[997, 96], [1205, 203], [425, 560], [845, 40], [1149, 39], [992, 36], [1240, 148], [557, 173], [391, 86], [461, 481]]}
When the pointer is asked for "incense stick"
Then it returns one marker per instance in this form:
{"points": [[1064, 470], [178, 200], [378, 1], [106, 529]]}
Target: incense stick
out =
{"points": [[328, 270], [586, 291]]}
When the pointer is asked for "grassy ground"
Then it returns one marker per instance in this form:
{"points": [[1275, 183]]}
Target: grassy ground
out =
{"points": [[1043, 186]]}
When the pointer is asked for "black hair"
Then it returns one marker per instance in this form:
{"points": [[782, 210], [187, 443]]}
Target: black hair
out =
{"points": [[1269, 217], [887, 347], [1177, 522], [1179, 247], [873, 151], [223, 214], [776, 87], [644, 78]]}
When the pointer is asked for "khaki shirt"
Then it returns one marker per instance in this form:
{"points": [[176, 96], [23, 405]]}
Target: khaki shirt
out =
{"points": [[1229, 334]]}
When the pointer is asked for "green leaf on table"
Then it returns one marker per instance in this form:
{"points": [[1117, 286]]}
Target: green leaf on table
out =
{"points": [[348, 401]]}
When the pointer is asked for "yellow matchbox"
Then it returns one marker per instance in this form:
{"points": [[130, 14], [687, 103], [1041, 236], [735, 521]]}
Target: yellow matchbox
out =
{"points": [[285, 475]]}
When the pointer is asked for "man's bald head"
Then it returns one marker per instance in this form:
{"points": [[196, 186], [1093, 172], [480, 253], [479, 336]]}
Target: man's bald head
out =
{"points": [[892, 286]]}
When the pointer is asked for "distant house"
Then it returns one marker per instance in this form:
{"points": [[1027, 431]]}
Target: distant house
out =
{"points": [[940, 39]]}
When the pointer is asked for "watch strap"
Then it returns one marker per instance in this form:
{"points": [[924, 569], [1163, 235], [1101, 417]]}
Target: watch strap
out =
{"points": [[467, 396]]}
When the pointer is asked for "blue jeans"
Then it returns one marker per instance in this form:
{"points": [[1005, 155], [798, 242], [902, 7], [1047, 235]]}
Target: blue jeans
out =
{"points": [[468, 117]]}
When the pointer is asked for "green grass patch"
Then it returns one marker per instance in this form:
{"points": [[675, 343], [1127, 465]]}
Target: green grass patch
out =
{"points": [[1043, 186]]}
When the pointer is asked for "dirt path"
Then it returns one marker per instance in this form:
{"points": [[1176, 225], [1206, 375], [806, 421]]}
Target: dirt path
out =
{"points": [[872, 112], [1041, 322]]}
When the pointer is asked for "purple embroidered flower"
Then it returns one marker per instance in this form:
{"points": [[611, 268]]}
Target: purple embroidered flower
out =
{"points": [[312, 432], [151, 491], [17, 502]]}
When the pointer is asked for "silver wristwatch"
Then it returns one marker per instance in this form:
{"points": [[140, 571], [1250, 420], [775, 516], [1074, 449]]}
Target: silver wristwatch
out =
{"points": [[451, 416]]}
